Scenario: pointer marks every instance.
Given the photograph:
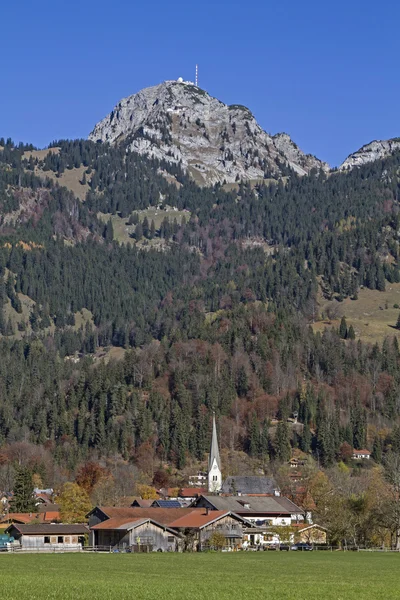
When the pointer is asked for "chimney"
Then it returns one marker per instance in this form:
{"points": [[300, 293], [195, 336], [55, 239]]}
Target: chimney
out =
{"points": [[207, 510]]}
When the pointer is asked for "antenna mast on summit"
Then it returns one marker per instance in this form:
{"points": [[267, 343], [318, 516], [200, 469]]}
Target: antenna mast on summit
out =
{"points": [[197, 76]]}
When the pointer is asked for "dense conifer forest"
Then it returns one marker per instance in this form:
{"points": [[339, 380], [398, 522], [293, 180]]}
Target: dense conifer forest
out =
{"points": [[217, 318]]}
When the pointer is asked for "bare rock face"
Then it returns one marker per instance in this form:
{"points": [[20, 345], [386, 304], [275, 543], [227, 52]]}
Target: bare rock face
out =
{"points": [[181, 123], [376, 150]]}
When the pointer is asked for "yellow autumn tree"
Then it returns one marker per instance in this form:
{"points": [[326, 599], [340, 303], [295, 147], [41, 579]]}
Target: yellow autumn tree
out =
{"points": [[147, 492], [74, 503]]}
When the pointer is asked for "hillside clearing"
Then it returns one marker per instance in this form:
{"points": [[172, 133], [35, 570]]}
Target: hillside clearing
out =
{"points": [[123, 231], [372, 315]]}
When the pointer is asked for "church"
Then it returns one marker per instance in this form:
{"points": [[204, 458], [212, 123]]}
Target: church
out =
{"points": [[235, 485], [214, 463]]}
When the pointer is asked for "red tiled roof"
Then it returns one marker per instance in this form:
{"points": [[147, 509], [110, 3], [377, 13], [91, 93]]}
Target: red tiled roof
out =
{"points": [[25, 518], [19, 518], [190, 492], [46, 499], [361, 452], [51, 516], [197, 520], [165, 516]]}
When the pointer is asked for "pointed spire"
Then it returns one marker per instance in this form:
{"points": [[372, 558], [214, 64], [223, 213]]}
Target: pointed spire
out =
{"points": [[214, 452]]}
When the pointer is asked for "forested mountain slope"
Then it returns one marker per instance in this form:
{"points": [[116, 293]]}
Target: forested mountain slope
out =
{"points": [[217, 317]]}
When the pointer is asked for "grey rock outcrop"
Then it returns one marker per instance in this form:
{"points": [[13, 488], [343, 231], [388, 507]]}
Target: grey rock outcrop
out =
{"points": [[214, 142], [375, 150]]}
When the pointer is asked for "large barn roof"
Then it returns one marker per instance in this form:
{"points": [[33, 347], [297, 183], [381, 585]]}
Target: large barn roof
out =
{"points": [[50, 529], [198, 520], [249, 485], [126, 525], [275, 505], [161, 515]]}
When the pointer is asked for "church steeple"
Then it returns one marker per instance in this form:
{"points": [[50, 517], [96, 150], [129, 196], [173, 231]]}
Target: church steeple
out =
{"points": [[214, 463]]}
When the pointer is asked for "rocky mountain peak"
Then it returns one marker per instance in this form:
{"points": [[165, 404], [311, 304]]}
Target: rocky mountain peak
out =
{"points": [[375, 150], [181, 123]]}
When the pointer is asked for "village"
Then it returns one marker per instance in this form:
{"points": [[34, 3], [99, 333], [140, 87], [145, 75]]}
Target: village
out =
{"points": [[238, 513]]}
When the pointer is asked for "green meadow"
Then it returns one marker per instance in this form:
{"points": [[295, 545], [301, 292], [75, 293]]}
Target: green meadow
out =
{"points": [[242, 576]]}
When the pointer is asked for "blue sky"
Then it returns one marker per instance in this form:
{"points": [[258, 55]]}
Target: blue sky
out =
{"points": [[325, 72]]}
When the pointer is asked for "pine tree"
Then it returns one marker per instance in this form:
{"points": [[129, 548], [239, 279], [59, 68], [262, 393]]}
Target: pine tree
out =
{"points": [[351, 335], [138, 232], [377, 450], [254, 437], [23, 491], [264, 447], [282, 442], [343, 328], [109, 231], [242, 385], [305, 439], [146, 228], [398, 322]]}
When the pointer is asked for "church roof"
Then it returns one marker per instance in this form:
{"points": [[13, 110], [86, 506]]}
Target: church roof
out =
{"points": [[249, 485], [274, 505], [214, 452]]}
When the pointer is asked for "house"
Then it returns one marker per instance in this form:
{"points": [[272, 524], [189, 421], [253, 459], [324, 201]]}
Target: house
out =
{"points": [[48, 508], [140, 534], [5, 499], [32, 517], [165, 516], [142, 502], [250, 486], [166, 504], [44, 496], [198, 527], [361, 454], [311, 534], [261, 511], [198, 480], [20, 518], [44, 536], [187, 495]]}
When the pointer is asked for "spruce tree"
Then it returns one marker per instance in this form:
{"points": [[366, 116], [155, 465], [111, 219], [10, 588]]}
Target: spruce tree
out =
{"points": [[351, 335], [23, 491], [254, 437], [343, 328], [282, 442]]}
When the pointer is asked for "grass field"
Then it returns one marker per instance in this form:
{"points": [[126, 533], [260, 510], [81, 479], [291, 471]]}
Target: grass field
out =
{"points": [[373, 315], [282, 576], [122, 230]]}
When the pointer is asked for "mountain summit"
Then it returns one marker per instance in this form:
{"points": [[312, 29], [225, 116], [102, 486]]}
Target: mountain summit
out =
{"points": [[375, 150], [181, 123]]}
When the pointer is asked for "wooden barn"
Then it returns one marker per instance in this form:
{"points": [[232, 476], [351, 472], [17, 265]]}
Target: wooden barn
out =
{"points": [[49, 536], [139, 535], [198, 527]]}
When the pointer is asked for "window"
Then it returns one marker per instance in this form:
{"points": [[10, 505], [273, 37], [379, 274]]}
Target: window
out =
{"points": [[47, 539], [171, 539], [215, 478], [60, 539]]}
